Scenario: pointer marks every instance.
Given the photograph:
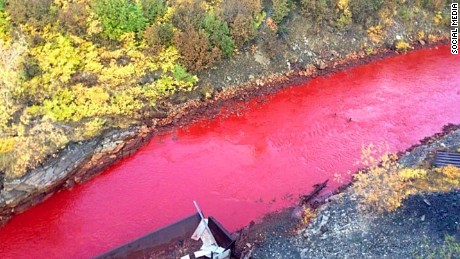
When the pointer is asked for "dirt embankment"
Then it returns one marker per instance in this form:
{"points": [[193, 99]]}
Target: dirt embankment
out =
{"points": [[267, 66], [426, 226]]}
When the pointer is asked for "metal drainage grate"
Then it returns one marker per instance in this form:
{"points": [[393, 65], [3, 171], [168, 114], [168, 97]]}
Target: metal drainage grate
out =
{"points": [[444, 158]]}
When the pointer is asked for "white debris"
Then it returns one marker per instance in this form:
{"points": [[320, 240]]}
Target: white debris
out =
{"points": [[210, 248]]}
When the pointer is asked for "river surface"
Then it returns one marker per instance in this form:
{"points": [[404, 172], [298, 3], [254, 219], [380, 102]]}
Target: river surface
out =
{"points": [[255, 161]]}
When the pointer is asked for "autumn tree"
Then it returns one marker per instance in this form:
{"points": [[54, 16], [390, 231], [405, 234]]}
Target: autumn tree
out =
{"points": [[196, 50]]}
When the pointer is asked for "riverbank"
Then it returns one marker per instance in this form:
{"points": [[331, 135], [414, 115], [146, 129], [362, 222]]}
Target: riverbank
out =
{"points": [[425, 226]]}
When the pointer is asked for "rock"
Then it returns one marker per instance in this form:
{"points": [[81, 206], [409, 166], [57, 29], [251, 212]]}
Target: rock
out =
{"points": [[324, 220], [324, 229], [320, 64], [77, 162], [334, 53], [260, 58], [297, 213], [259, 82], [427, 202], [12, 198]]}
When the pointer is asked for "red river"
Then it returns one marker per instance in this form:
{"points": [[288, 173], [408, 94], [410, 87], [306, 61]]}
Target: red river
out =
{"points": [[253, 162]]}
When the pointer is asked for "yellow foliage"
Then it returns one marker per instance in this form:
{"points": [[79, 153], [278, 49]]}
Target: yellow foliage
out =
{"points": [[32, 148], [94, 25], [345, 14], [125, 65], [402, 46], [166, 18], [58, 59], [11, 62], [384, 185], [307, 215], [93, 128], [7, 144], [167, 59], [79, 102], [386, 15], [408, 174], [432, 38], [451, 173], [116, 92], [5, 26], [375, 33], [90, 55], [64, 4], [437, 19], [421, 35], [76, 81]]}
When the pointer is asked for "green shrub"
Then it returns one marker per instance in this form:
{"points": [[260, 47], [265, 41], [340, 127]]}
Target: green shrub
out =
{"points": [[35, 12], [219, 34], [181, 74], [280, 9], [119, 16], [153, 9]]}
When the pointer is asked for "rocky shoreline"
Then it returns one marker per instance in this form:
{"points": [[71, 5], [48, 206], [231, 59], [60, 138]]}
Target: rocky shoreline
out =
{"points": [[426, 226]]}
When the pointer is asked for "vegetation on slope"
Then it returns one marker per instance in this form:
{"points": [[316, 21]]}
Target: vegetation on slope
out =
{"points": [[72, 68], [384, 184]]}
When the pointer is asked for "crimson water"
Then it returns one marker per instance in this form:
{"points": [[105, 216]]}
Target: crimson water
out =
{"points": [[257, 160]]}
